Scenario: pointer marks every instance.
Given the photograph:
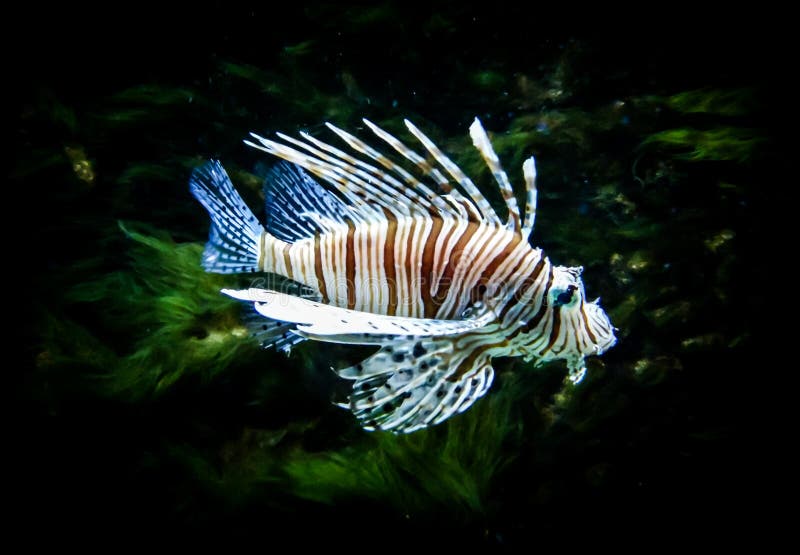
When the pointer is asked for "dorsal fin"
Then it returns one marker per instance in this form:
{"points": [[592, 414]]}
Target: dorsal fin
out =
{"points": [[529, 171], [481, 204], [414, 189], [369, 191], [452, 196], [481, 141], [297, 206], [372, 192]]}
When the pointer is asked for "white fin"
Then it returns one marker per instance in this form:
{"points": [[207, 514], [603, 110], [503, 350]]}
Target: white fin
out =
{"points": [[367, 193], [329, 323], [452, 202], [529, 171], [416, 192], [297, 206], [481, 141], [481, 207], [409, 385], [233, 244], [371, 190]]}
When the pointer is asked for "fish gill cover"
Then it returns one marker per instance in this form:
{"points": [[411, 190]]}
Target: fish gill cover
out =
{"points": [[144, 406]]}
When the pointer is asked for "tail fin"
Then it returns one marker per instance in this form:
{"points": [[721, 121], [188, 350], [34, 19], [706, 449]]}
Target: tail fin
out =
{"points": [[235, 237]]}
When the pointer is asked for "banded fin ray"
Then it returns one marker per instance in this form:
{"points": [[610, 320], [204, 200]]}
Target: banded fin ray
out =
{"points": [[365, 189], [529, 172], [233, 241], [298, 207], [271, 333], [332, 324], [365, 180], [482, 205], [416, 190], [452, 196], [481, 141], [365, 186], [409, 385]]}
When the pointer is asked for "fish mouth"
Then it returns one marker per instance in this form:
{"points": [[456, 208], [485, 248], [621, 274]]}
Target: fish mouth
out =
{"points": [[600, 325]]}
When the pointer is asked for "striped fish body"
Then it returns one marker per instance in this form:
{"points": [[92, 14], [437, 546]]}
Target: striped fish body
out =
{"points": [[419, 267], [435, 278]]}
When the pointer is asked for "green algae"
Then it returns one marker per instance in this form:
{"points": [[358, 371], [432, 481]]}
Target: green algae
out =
{"points": [[181, 324], [721, 144], [724, 102], [450, 469]]}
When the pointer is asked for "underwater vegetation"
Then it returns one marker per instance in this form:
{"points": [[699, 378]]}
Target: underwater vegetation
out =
{"points": [[143, 401]]}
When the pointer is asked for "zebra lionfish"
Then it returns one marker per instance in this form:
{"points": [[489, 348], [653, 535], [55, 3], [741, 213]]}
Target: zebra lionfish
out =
{"points": [[421, 267]]}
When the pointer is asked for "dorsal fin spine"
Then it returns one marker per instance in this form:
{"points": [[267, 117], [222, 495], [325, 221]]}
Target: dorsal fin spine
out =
{"points": [[529, 172], [484, 209], [331, 175], [481, 141], [357, 175], [341, 179], [417, 192], [420, 162]]}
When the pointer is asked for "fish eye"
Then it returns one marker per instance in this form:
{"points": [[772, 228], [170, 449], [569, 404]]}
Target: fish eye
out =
{"points": [[565, 296], [472, 309]]}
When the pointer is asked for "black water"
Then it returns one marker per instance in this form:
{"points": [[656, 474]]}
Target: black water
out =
{"points": [[668, 440]]}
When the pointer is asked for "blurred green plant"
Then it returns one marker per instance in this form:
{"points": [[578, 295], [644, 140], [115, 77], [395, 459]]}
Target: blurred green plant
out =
{"points": [[451, 467], [724, 102], [720, 144], [176, 321]]}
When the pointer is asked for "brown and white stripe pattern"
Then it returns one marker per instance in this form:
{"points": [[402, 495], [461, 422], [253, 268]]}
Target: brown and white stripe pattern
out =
{"points": [[408, 250], [413, 259]]}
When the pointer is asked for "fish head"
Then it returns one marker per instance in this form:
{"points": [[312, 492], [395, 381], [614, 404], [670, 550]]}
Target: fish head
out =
{"points": [[579, 327]]}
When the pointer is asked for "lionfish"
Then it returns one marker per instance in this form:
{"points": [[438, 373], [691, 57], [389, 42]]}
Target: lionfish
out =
{"points": [[420, 266]]}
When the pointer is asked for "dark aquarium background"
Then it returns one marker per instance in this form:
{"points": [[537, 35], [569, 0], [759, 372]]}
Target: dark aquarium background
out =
{"points": [[139, 408]]}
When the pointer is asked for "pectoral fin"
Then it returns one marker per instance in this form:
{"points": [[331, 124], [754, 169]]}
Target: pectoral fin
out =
{"points": [[322, 322], [410, 385], [426, 370]]}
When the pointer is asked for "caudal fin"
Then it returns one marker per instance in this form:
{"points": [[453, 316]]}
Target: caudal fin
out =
{"points": [[235, 237]]}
